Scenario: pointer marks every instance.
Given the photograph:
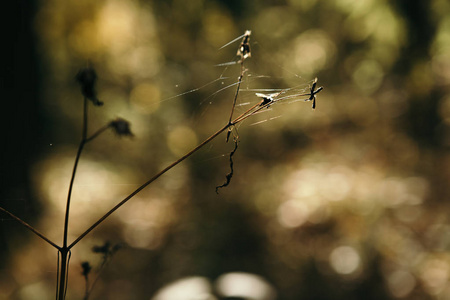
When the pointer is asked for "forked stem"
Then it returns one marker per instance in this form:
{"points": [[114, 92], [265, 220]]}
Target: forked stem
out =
{"points": [[239, 119], [117, 206], [31, 228]]}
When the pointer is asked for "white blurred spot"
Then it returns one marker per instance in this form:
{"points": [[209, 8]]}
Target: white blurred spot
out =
{"points": [[345, 260], [144, 221], [145, 238], [292, 213], [190, 288], [245, 285], [318, 47], [302, 183], [335, 186]]}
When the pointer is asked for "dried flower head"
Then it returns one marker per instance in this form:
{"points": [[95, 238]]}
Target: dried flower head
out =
{"points": [[244, 48], [86, 266], [87, 78], [121, 127]]}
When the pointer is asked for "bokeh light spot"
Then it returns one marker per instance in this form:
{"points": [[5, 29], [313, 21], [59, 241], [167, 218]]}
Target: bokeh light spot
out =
{"points": [[345, 260], [186, 288], [401, 283], [218, 27], [368, 75], [292, 213], [314, 51], [245, 286], [435, 275], [116, 22], [336, 186], [145, 97], [181, 140]]}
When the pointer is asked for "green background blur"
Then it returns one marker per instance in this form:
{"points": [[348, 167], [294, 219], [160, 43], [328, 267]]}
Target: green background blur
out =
{"points": [[350, 201]]}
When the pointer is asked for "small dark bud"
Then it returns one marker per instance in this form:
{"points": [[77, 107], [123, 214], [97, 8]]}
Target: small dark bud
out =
{"points": [[86, 266], [87, 78], [121, 127]]}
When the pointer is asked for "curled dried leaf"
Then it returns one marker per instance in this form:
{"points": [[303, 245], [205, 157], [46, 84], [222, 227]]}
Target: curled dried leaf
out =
{"points": [[229, 175]]}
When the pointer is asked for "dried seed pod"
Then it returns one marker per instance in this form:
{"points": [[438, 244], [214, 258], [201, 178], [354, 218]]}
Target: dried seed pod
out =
{"points": [[244, 48], [121, 127], [87, 77]]}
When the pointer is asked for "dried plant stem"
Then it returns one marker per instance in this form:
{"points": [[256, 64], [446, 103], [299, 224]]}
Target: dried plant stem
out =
{"points": [[237, 91], [64, 250], [31, 228], [74, 171], [87, 79], [86, 295], [240, 118], [117, 206], [63, 271], [97, 133]]}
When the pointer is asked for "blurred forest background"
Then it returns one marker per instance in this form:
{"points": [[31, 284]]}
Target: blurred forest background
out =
{"points": [[350, 201]]}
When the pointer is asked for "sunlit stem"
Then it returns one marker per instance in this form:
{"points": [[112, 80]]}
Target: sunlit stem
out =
{"points": [[125, 200], [248, 112], [150, 181], [237, 90]]}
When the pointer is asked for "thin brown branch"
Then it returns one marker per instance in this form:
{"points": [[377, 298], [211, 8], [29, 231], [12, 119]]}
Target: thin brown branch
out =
{"points": [[244, 52], [117, 206], [242, 117], [237, 91], [31, 228], [97, 133]]}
